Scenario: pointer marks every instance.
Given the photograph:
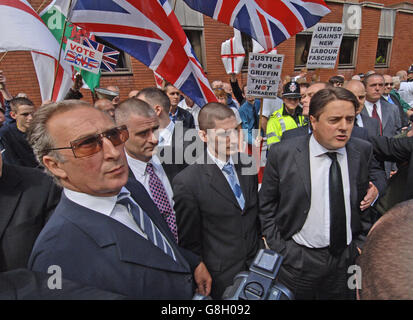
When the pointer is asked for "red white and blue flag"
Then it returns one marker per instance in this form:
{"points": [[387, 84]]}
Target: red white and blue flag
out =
{"points": [[109, 58], [150, 32], [270, 22]]}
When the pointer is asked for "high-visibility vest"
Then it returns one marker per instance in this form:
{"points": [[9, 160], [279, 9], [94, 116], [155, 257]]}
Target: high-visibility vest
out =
{"points": [[278, 123]]}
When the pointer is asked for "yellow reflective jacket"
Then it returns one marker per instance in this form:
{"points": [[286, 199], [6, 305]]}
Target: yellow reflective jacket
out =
{"points": [[280, 122]]}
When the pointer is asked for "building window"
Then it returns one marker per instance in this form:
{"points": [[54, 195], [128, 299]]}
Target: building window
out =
{"points": [[123, 65], [248, 47], [383, 52], [348, 49], [195, 39], [302, 48]]}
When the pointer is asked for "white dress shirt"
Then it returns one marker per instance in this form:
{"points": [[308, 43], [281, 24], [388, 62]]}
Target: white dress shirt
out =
{"points": [[315, 232], [139, 170], [359, 120], [165, 136], [194, 110], [221, 165], [369, 107], [106, 206]]}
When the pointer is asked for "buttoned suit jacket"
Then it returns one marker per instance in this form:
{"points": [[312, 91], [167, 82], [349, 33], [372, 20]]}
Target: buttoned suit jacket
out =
{"points": [[27, 200], [95, 250], [285, 195], [371, 125], [211, 222]]}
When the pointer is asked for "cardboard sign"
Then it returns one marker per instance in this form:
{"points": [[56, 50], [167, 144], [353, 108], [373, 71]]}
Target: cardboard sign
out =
{"points": [[325, 45], [264, 72], [82, 56]]}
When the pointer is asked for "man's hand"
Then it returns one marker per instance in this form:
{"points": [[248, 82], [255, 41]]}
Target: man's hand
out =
{"points": [[370, 196], [203, 279], [78, 83]]}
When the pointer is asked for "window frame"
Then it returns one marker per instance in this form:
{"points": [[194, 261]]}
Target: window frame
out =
{"points": [[388, 54]]}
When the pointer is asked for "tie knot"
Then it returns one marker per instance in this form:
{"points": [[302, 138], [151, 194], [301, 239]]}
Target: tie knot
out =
{"points": [[149, 168], [332, 155], [228, 169]]}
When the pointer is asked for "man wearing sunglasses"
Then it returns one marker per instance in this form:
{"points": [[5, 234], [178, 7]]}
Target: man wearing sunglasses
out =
{"points": [[106, 232], [393, 99]]}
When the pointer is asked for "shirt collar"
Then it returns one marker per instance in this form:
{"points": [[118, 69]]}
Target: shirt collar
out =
{"points": [[166, 134], [219, 162], [104, 205], [139, 167], [317, 149]]}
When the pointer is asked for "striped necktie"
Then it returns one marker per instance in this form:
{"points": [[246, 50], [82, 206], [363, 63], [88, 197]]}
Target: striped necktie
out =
{"points": [[375, 115], [145, 223], [236, 188]]}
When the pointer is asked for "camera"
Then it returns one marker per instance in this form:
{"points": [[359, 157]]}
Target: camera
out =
{"points": [[259, 283]]}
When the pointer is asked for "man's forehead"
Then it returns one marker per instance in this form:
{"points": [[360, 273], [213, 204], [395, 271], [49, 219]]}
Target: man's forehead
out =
{"points": [[138, 121], [375, 79], [225, 124], [25, 107]]}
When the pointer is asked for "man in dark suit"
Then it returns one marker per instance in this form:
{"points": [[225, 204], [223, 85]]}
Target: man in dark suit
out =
{"points": [[386, 113], [145, 166], [394, 99], [174, 139], [27, 200], [216, 201], [309, 199], [177, 114], [105, 234], [13, 140], [376, 171]]}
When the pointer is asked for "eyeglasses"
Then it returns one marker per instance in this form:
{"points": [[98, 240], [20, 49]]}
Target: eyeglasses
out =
{"points": [[388, 84], [89, 145]]}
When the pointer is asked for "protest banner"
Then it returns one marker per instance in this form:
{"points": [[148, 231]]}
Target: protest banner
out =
{"points": [[82, 56], [264, 72], [325, 45]]}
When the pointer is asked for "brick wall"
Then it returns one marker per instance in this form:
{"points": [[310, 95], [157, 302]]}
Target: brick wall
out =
{"points": [[19, 69]]}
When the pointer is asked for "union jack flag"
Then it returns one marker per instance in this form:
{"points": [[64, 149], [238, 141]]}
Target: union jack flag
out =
{"points": [[110, 56], [150, 32], [268, 22]]}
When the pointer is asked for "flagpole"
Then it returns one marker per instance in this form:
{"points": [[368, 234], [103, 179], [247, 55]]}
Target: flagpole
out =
{"points": [[60, 50]]}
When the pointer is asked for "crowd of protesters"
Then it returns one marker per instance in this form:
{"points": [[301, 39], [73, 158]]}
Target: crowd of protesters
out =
{"points": [[154, 197]]}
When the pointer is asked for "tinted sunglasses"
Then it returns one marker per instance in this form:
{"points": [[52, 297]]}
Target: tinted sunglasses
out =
{"points": [[92, 144]]}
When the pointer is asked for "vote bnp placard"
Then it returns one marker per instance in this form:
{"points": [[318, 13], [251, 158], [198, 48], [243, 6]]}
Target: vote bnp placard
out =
{"points": [[325, 45], [82, 56], [264, 72]]}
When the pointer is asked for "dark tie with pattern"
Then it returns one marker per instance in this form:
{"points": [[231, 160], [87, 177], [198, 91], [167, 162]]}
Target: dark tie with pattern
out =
{"points": [[338, 234], [375, 115], [145, 223], [161, 200]]}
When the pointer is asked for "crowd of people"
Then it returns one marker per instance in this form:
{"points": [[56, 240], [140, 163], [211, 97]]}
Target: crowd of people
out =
{"points": [[154, 197]]}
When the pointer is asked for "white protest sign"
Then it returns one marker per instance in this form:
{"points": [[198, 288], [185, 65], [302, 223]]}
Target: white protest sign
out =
{"points": [[325, 45], [82, 56], [264, 72]]}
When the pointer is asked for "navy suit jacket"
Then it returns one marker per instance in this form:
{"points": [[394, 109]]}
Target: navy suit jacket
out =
{"points": [[96, 250]]}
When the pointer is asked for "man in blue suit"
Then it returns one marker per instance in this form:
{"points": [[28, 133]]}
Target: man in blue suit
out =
{"points": [[106, 232]]}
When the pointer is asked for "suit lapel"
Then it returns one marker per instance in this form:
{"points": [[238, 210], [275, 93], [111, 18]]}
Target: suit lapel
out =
{"points": [[302, 160], [385, 112], [106, 231], [9, 196]]}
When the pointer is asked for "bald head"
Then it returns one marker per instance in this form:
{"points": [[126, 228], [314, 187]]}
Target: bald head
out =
{"points": [[387, 259], [358, 89]]}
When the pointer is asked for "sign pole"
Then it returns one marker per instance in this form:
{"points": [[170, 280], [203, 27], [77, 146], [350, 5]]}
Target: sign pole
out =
{"points": [[60, 51]]}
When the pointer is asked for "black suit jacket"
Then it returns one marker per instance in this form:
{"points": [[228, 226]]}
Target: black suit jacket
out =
{"points": [[376, 170], [182, 151], [211, 222], [186, 118], [398, 150], [96, 250], [285, 195], [23, 284], [371, 125], [27, 199]]}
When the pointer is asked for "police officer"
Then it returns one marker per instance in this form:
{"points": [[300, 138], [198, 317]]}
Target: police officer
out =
{"points": [[288, 116]]}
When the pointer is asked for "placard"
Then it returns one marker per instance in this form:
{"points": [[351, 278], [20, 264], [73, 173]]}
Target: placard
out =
{"points": [[325, 45], [82, 56], [264, 72]]}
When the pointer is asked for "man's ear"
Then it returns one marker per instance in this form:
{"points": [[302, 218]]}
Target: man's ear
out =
{"points": [[54, 167], [158, 110], [203, 135], [13, 114]]}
